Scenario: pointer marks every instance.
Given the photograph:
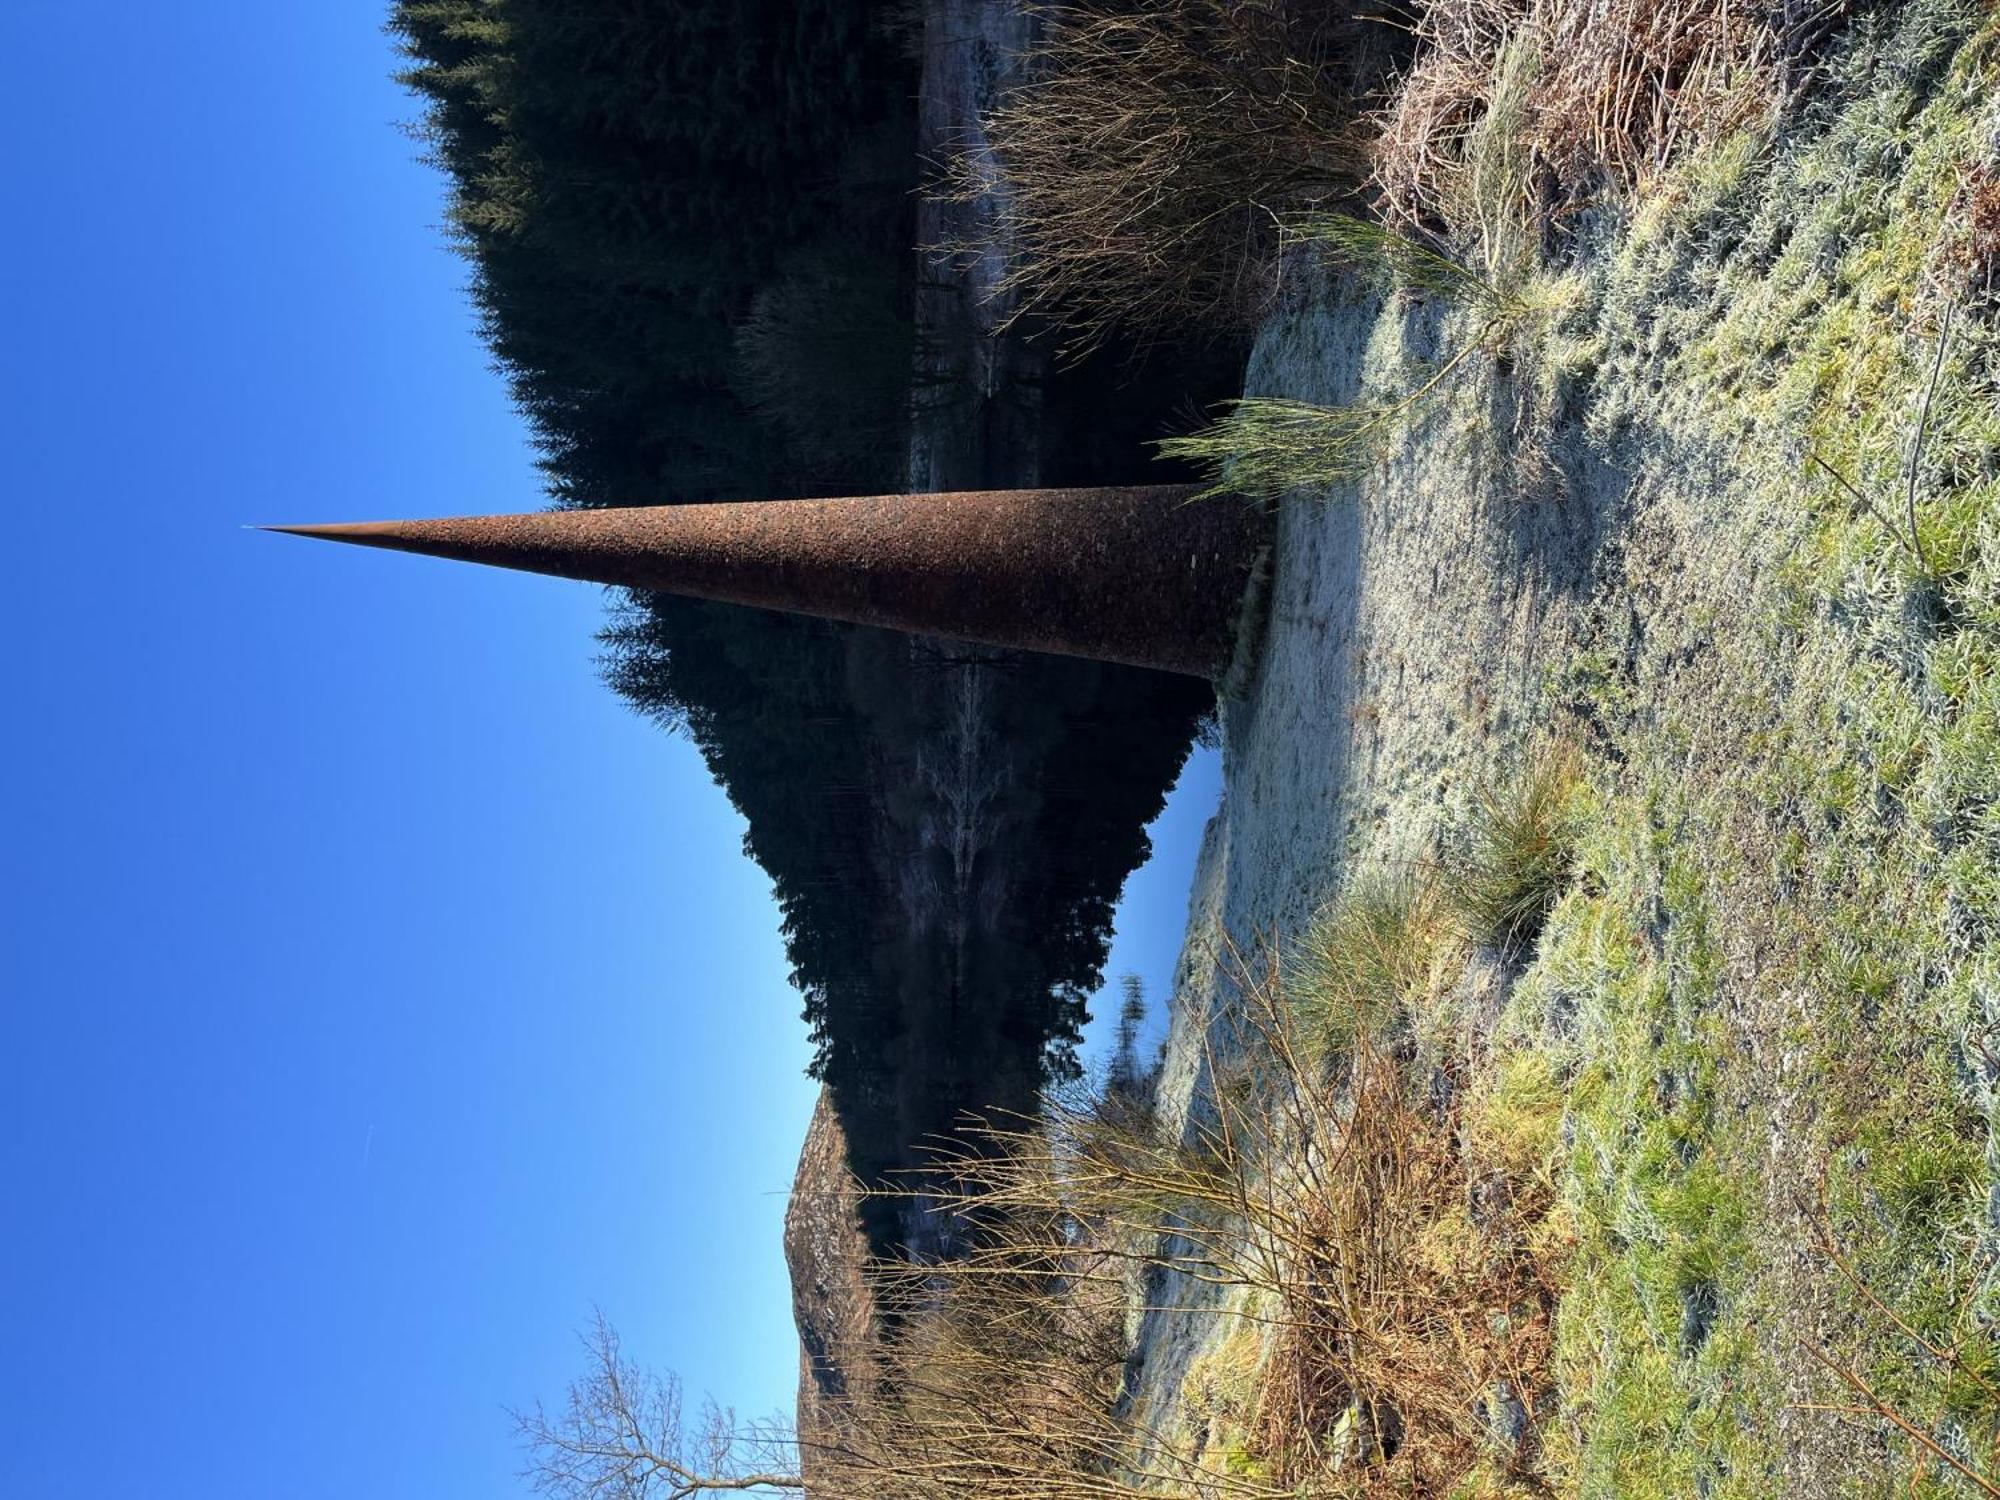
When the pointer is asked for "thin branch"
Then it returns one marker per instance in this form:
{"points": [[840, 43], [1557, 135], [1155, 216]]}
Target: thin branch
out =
{"points": [[1882, 516], [1923, 426], [1883, 1409]]}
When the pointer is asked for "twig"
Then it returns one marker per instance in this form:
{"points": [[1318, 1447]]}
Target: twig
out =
{"points": [[1888, 524], [1923, 424], [1951, 1359], [1882, 1408]]}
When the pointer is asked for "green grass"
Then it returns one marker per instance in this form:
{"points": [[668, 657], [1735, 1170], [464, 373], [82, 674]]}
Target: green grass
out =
{"points": [[1752, 1039], [1362, 961], [1654, 1348], [1406, 263], [1770, 999], [1265, 448], [1517, 852], [1822, 809]]}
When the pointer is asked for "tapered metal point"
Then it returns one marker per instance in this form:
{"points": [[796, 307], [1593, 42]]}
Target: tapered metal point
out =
{"points": [[1137, 575], [366, 533]]}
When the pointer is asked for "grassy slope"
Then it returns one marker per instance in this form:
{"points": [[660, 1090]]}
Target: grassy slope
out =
{"points": [[1754, 1046], [1770, 996], [1700, 1158]]}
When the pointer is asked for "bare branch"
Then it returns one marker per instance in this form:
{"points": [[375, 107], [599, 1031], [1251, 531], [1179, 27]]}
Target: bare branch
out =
{"points": [[620, 1436]]}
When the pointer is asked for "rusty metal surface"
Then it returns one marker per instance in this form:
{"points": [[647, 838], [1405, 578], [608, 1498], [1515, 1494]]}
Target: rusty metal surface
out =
{"points": [[1138, 575]]}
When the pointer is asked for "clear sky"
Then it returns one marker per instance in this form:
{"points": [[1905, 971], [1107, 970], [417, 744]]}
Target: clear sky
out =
{"points": [[379, 993]]}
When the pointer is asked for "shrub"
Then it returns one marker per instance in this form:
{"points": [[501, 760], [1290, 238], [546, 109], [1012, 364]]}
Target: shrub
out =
{"points": [[1143, 168], [1396, 1276], [1002, 1379]]}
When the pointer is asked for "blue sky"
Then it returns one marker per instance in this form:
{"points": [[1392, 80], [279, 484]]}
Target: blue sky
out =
{"points": [[380, 993]]}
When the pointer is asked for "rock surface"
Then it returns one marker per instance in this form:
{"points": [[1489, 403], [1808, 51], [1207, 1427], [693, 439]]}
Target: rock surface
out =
{"points": [[826, 1253]]}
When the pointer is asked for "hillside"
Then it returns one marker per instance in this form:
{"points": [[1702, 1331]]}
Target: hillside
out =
{"points": [[1657, 533]]}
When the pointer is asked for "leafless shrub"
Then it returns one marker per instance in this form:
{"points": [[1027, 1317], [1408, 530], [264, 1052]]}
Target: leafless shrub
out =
{"points": [[1001, 1382], [1394, 1265], [622, 1436], [1144, 165]]}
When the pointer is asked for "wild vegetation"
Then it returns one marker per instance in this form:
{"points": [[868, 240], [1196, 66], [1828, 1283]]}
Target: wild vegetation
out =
{"points": [[1124, 203], [1380, 1209], [1378, 1214]]}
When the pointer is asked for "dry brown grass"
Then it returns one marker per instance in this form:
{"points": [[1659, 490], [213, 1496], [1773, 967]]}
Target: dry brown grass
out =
{"points": [[1145, 164], [1419, 1297], [1143, 176], [1400, 1270], [1517, 111], [1001, 1381]]}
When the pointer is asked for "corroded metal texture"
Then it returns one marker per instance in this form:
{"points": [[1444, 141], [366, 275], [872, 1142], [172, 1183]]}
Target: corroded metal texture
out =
{"points": [[1140, 575]]}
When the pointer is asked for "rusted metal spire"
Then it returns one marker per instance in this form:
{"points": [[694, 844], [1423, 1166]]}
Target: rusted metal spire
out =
{"points": [[1136, 575]]}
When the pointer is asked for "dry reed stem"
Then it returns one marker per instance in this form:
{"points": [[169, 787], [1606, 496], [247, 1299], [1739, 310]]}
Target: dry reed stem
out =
{"points": [[1142, 164]]}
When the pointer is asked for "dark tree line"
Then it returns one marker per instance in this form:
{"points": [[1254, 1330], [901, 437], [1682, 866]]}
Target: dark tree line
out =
{"points": [[637, 185], [689, 230], [627, 177]]}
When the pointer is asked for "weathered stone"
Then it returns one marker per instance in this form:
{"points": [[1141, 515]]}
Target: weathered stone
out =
{"points": [[1140, 575], [827, 1256]]}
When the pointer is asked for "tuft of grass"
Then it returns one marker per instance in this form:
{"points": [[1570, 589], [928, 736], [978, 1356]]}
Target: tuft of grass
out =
{"points": [[1134, 170], [1266, 447], [1517, 1124], [1584, 94], [1219, 1398], [1408, 262], [1518, 850], [1360, 962]]}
